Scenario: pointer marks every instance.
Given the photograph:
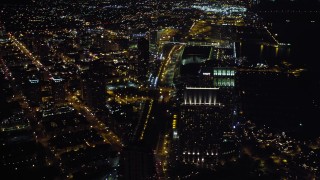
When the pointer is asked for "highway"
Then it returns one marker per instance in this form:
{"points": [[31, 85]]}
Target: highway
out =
{"points": [[154, 84], [161, 86]]}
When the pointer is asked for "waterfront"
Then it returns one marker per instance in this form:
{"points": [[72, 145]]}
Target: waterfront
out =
{"points": [[287, 103]]}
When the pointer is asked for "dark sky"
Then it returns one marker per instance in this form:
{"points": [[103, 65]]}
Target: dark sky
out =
{"points": [[291, 2], [15, 1]]}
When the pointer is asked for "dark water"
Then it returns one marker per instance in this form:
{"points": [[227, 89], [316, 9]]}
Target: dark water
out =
{"points": [[289, 104], [269, 55], [303, 33]]}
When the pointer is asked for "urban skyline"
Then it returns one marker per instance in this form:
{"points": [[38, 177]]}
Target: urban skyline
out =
{"points": [[156, 89]]}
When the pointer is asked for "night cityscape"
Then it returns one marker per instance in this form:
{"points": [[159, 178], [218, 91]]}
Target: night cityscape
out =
{"points": [[159, 89]]}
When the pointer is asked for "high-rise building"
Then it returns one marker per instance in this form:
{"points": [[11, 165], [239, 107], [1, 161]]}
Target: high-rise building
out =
{"points": [[58, 90], [93, 92], [33, 91], [203, 132], [217, 77], [153, 41], [93, 85], [143, 58], [203, 119]]}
